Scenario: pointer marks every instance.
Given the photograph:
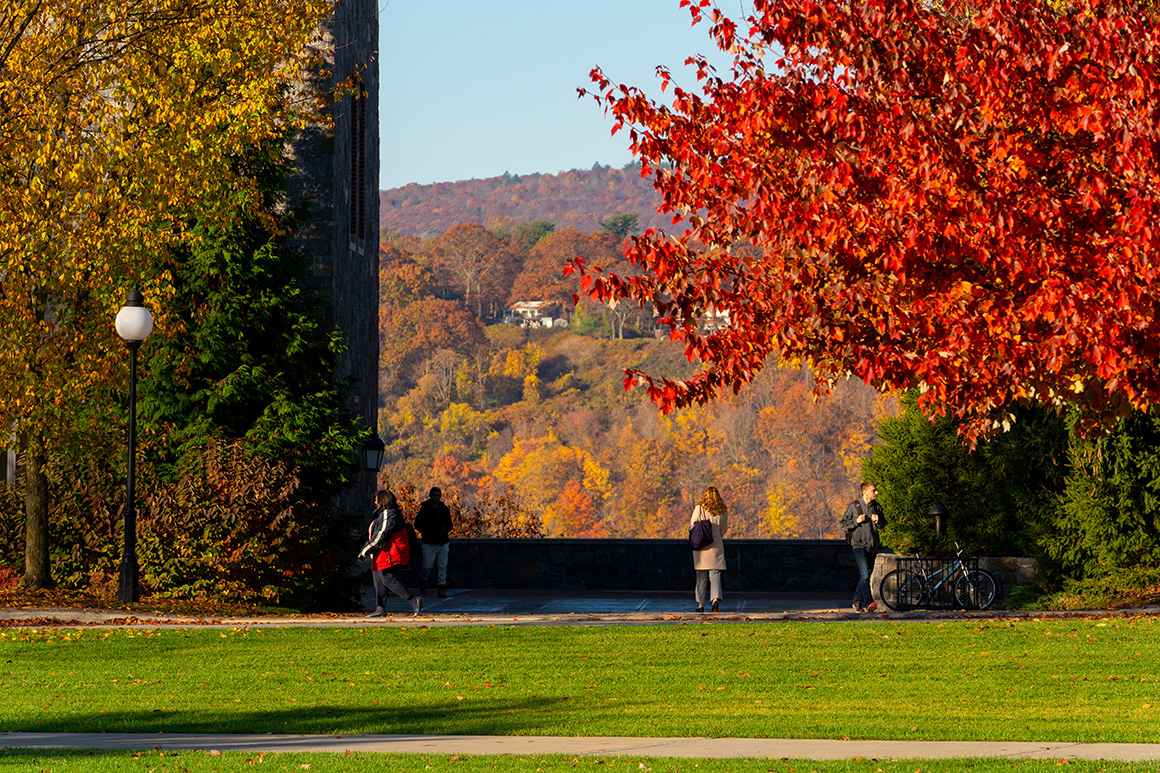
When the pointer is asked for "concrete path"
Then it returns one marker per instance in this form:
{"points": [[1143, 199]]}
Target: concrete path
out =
{"points": [[494, 607], [761, 748]]}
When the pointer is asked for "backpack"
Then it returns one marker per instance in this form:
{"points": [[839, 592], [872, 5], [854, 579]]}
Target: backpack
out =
{"points": [[857, 503]]}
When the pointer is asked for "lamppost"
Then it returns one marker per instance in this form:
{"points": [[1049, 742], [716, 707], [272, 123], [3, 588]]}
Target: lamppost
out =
{"points": [[134, 324], [939, 513]]}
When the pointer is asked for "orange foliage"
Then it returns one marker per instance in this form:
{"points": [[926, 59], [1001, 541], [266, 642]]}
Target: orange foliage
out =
{"points": [[448, 472], [564, 447], [476, 266], [576, 513], [542, 277]]}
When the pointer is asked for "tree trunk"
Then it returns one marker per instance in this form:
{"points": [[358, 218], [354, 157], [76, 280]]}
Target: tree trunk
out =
{"points": [[36, 566]]}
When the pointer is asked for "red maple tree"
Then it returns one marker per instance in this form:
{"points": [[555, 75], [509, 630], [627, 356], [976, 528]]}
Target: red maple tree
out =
{"points": [[959, 197]]}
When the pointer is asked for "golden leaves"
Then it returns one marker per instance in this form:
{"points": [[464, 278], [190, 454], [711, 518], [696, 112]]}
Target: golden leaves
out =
{"points": [[122, 122]]}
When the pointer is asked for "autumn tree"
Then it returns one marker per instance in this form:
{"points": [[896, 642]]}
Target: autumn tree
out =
{"points": [[577, 513], [956, 197], [477, 265], [804, 456], [539, 470], [413, 333], [119, 121], [624, 311], [543, 278], [402, 279], [650, 479]]}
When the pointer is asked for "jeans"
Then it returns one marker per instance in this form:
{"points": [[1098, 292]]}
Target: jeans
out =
{"points": [[435, 556], [707, 580], [865, 560]]}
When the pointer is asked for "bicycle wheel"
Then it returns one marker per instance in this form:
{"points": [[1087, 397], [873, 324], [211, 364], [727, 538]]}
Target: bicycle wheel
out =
{"points": [[902, 590], [975, 589]]}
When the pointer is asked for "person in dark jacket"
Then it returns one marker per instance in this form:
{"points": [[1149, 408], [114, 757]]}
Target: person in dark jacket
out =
{"points": [[389, 545], [434, 526], [862, 520]]}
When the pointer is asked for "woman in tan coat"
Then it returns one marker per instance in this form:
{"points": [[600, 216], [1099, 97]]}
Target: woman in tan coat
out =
{"points": [[710, 562]]}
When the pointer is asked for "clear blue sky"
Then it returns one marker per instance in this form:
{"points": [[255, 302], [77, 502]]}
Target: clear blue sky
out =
{"points": [[473, 89]]}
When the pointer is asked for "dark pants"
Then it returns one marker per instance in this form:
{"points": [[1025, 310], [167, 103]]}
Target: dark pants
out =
{"points": [[865, 560], [387, 580]]}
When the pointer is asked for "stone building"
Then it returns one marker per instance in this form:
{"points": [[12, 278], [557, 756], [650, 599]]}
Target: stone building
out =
{"points": [[338, 177]]}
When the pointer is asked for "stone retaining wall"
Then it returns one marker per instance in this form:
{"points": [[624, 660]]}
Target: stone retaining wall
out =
{"points": [[1009, 571], [644, 564], [666, 564]]}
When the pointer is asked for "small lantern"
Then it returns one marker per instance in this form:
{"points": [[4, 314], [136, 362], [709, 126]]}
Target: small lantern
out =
{"points": [[373, 453]]}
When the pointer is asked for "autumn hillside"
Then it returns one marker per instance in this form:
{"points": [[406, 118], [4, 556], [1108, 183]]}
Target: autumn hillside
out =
{"points": [[578, 198], [534, 427]]}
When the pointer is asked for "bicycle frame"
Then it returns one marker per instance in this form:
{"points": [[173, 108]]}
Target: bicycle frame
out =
{"points": [[939, 580], [935, 583]]}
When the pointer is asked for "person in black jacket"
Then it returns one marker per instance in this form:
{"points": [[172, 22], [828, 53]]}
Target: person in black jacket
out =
{"points": [[862, 520], [434, 526]]}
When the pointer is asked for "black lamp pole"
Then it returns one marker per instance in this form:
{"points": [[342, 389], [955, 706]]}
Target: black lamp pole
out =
{"points": [[130, 571], [134, 324]]}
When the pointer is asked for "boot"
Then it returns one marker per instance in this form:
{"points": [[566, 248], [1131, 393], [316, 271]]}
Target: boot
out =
{"points": [[442, 591]]}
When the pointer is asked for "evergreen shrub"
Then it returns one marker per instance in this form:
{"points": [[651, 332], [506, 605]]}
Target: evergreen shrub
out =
{"points": [[1109, 524], [999, 497]]}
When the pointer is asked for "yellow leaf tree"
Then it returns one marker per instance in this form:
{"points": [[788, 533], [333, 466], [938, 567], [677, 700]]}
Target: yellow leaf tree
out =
{"points": [[119, 123], [539, 470]]}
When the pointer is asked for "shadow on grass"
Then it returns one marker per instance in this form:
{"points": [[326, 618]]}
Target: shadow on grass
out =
{"points": [[493, 717]]}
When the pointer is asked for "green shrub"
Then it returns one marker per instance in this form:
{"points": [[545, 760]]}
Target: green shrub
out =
{"points": [[998, 497], [1110, 520]]}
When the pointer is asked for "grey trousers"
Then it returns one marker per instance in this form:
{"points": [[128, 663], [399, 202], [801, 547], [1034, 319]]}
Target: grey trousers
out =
{"points": [[708, 580], [435, 556]]}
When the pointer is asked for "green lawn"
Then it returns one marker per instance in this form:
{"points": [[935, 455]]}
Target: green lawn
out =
{"points": [[1074, 680], [192, 762]]}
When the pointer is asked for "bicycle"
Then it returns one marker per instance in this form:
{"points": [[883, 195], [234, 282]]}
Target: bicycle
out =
{"points": [[969, 588]]}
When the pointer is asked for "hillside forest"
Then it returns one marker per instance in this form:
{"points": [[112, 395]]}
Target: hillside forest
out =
{"points": [[578, 197], [536, 421]]}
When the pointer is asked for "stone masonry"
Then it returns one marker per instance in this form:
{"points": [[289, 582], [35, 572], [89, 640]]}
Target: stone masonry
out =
{"points": [[337, 177]]}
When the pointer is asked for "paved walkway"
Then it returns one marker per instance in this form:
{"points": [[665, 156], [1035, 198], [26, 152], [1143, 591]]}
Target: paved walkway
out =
{"points": [[760, 748], [488, 607]]}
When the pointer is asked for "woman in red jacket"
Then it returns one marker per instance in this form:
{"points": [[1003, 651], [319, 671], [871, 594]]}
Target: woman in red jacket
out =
{"points": [[390, 546]]}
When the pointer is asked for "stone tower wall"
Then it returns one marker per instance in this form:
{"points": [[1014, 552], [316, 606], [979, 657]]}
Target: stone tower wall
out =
{"points": [[338, 176]]}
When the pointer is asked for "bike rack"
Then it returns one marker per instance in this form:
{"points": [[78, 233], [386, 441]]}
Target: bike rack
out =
{"points": [[942, 596]]}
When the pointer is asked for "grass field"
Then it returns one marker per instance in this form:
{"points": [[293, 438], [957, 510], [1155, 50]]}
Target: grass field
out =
{"points": [[1077, 680], [194, 762]]}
